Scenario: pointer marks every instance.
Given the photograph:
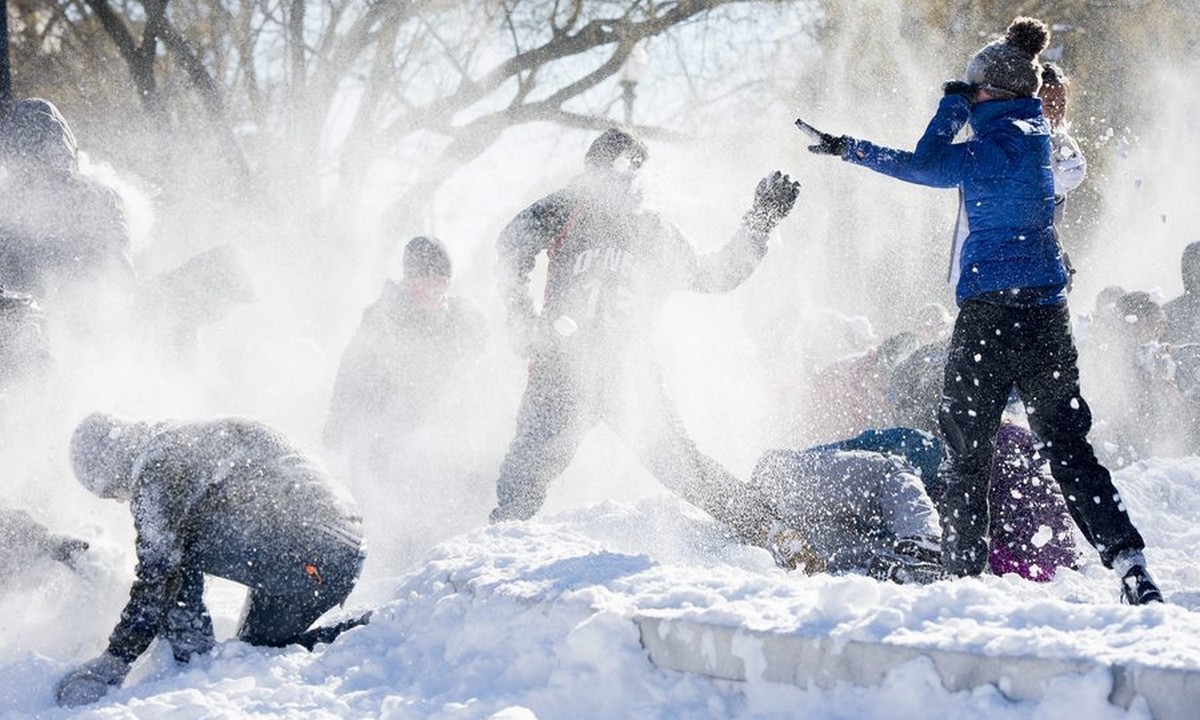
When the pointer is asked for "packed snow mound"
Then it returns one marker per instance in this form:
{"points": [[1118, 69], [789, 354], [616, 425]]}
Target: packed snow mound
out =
{"points": [[539, 619]]}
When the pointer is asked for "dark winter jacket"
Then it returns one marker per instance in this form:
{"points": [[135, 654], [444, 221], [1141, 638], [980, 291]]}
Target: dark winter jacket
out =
{"points": [[57, 227], [234, 473], [612, 265], [1007, 186], [398, 364]]}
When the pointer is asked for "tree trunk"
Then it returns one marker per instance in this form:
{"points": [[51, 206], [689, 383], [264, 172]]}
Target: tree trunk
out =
{"points": [[5, 62]]}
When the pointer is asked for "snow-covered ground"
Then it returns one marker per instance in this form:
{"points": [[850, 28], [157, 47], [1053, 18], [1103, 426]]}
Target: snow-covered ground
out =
{"points": [[537, 619]]}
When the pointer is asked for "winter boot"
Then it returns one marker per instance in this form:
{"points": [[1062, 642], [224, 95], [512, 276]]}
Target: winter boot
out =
{"points": [[921, 548], [904, 570], [1138, 588], [328, 633]]}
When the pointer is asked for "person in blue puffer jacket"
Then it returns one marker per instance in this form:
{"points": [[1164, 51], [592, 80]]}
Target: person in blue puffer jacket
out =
{"points": [[1013, 326]]}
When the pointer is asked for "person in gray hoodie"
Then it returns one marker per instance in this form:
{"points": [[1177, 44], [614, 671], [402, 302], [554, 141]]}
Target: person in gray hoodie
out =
{"points": [[230, 498]]}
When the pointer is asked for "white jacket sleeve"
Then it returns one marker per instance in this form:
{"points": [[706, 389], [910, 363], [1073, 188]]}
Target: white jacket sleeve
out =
{"points": [[1067, 163]]}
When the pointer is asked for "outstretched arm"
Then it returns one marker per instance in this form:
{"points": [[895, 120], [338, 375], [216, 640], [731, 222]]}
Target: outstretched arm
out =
{"points": [[937, 160], [733, 264]]}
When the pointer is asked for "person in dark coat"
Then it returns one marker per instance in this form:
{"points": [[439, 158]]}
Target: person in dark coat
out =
{"points": [[1013, 326], [230, 498], [412, 344], [1183, 312], [612, 265], [63, 236]]}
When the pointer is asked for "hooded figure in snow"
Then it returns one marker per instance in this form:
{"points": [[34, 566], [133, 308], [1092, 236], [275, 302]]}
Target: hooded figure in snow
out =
{"points": [[230, 498], [413, 342], [1013, 326], [62, 235], [612, 265], [1183, 312]]}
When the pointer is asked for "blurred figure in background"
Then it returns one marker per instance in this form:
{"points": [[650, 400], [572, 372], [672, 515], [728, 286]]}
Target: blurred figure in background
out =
{"points": [[852, 394], [177, 304], [411, 346], [63, 236], [230, 498], [612, 265], [1141, 412], [24, 352], [915, 386], [1183, 312], [406, 409]]}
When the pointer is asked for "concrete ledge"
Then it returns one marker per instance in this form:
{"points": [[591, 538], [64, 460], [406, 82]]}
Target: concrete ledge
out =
{"points": [[733, 653]]}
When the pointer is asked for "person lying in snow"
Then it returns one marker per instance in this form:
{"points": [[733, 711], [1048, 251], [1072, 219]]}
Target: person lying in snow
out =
{"points": [[852, 511], [230, 498], [1030, 531]]}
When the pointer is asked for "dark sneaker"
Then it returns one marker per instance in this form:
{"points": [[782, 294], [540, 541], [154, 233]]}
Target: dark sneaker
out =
{"points": [[904, 570], [1137, 588], [920, 548]]}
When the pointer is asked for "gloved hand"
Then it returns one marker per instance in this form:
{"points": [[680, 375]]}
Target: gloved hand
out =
{"points": [[830, 145], [68, 551], [959, 87], [826, 144], [773, 200], [90, 681]]}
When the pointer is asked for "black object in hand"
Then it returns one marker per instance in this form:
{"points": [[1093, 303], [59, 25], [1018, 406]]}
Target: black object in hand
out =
{"points": [[826, 144]]}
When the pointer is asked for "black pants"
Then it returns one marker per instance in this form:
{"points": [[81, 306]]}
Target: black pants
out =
{"points": [[566, 398], [994, 348], [294, 571]]}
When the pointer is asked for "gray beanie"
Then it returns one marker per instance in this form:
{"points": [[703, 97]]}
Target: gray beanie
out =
{"points": [[1010, 64], [103, 449], [426, 257]]}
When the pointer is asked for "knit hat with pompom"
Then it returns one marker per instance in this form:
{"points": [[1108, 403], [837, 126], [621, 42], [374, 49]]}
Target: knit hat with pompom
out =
{"points": [[1009, 65]]}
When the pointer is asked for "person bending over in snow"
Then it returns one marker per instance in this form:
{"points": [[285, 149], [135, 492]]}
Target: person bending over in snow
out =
{"points": [[612, 265], [1013, 326], [230, 498], [853, 511]]}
